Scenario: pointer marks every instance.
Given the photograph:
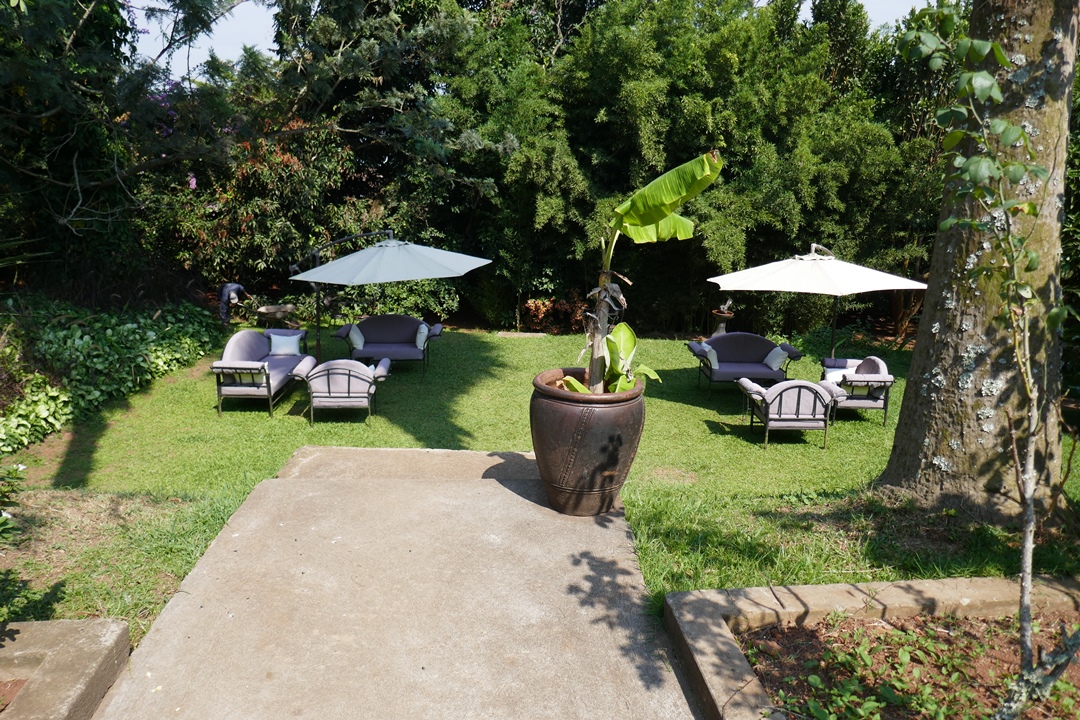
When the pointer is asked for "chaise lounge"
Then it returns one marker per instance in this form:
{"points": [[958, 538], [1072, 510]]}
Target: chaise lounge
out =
{"points": [[260, 365], [397, 337], [735, 355]]}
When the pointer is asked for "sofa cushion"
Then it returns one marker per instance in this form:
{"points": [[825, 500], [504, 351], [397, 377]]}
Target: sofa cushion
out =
{"points": [[732, 371], [387, 329], [356, 338], [741, 347], [775, 358], [421, 335], [394, 351], [284, 344], [710, 353]]}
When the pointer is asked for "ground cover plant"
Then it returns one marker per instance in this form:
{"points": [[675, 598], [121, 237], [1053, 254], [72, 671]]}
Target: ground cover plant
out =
{"points": [[119, 508], [932, 667]]}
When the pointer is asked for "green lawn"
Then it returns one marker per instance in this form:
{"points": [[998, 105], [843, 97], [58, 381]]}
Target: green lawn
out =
{"points": [[709, 506]]}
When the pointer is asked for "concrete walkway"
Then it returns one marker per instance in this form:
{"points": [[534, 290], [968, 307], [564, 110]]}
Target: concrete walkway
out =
{"points": [[406, 584]]}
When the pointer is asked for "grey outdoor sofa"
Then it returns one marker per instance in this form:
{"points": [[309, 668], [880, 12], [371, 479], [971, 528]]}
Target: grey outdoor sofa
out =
{"points": [[397, 337], [742, 355], [251, 368]]}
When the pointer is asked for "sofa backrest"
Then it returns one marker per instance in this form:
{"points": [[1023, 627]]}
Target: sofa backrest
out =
{"points": [[741, 347], [246, 345], [872, 366], [389, 328]]}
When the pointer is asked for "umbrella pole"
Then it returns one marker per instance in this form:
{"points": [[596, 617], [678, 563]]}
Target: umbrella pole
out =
{"points": [[832, 330], [318, 325]]}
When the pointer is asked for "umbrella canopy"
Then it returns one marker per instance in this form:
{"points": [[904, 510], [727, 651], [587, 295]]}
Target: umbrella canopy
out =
{"points": [[818, 273], [392, 261]]}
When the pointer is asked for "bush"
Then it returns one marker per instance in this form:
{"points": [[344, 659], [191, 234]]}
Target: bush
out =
{"points": [[92, 358]]}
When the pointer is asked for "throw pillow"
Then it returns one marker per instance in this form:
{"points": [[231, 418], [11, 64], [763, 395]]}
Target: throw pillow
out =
{"points": [[356, 338], [775, 358], [710, 352], [284, 344], [421, 335]]}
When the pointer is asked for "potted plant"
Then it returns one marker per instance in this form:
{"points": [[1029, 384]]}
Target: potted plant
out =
{"points": [[587, 422]]}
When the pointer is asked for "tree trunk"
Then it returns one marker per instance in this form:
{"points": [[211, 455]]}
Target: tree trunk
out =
{"points": [[952, 446]]}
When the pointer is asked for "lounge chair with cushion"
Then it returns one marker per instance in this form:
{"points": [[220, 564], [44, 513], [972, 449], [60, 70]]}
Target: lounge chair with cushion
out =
{"points": [[260, 365], [344, 384], [735, 355], [866, 382], [791, 405]]}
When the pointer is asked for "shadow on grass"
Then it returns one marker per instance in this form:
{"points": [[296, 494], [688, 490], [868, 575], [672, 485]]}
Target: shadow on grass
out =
{"points": [[20, 602], [932, 542], [78, 460], [421, 403]]}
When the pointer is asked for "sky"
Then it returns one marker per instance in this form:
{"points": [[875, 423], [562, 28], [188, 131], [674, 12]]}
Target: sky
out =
{"points": [[251, 24]]}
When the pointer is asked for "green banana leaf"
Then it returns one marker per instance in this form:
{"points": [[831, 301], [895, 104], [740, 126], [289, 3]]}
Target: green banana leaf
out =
{"points": [[648, 214]]}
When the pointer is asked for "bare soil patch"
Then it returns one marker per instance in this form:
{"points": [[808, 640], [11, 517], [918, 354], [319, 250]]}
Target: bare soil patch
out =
{"points": [[921, 667]]}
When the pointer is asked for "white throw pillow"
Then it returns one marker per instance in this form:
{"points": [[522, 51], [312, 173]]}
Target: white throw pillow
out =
{"points": [[710, 353], [356, 338], [421, 335], [775, 358], [284, 344]]}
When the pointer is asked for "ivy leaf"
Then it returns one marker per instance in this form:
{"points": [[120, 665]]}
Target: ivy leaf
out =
{"points": [[1038, 171], [961, 49], [979, 169], [999, 55], [1024, 291], [1011, 134], [1056, 317], [953, 139], [985, 86], [1032, 261], [980, 49], [950, 115], [936, 62], [1015, 172]]}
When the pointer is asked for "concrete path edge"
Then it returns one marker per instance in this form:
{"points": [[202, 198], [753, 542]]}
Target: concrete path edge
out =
{"points": [[68, 665], [702, 623]]}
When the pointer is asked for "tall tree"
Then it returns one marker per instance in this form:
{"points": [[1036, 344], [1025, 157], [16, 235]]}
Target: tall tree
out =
{"points": [[965, 398]]}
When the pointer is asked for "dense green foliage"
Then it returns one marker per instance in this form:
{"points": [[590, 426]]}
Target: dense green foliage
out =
{"points": [[91, 359], [507, 131]]}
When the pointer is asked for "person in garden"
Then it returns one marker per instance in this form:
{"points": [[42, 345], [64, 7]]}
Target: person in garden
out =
{"points": [[229, 295]]}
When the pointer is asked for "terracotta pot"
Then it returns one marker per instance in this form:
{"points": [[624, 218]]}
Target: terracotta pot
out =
{"points": [[584, 443]]}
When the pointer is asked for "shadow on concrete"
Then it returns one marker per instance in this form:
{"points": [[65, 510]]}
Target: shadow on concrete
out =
{"points": [[609, 588], [518, 474]]}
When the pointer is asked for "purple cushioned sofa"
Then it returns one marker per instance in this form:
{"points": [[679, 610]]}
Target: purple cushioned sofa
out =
{"points": [[248, 369], [390, 336], [741, 355]]}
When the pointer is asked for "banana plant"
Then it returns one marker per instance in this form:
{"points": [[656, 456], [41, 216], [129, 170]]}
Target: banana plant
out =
{"points": [[648, 216]]}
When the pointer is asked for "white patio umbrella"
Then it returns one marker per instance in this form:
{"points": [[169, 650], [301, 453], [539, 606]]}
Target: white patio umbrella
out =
{"points": [[818, 273], [386, 261]]}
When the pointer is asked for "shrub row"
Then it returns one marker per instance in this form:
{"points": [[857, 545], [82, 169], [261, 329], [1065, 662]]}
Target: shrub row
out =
{"points": [[95, 357]]}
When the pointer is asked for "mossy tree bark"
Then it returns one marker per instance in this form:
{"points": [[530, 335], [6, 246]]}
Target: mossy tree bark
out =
{"points": [[964, 391]]}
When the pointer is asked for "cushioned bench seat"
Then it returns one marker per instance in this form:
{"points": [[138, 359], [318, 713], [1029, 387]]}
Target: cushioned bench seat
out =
{"points": [[732, 356]]}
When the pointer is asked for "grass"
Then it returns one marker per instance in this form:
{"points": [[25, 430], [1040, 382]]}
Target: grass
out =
{"points": [[708, 505]]}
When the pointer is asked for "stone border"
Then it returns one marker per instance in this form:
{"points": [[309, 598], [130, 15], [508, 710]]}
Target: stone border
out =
{"points": [[702, 624], [68, 665]]}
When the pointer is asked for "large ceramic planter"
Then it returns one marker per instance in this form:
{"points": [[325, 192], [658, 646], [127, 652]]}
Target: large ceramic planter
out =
{"points": [[584, 443]]}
